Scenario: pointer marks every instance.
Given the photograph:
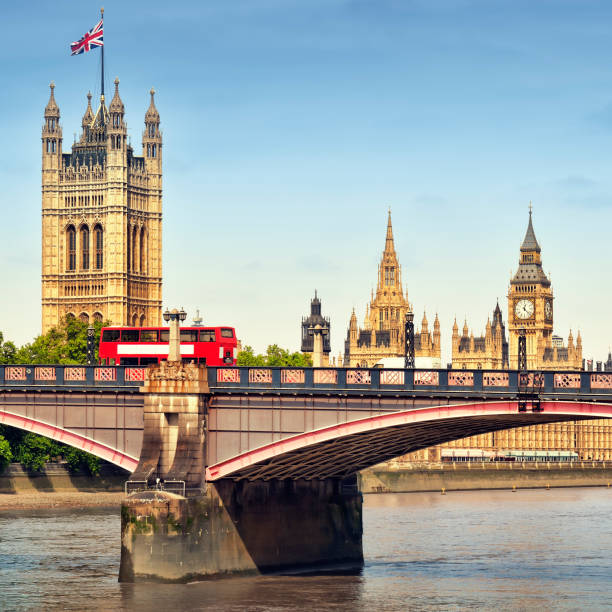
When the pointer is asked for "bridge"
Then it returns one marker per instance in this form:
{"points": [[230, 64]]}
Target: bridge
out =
{"points": [[285, 440]]}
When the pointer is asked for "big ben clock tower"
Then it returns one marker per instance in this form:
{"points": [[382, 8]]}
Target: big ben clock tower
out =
{"points": [[530, 304]]}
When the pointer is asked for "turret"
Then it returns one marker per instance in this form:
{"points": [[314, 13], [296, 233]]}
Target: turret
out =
{"points": [[88, 118], [465, 329], [152, 138], [436, 333], [353, 327], [51, 139], [116, 131]]}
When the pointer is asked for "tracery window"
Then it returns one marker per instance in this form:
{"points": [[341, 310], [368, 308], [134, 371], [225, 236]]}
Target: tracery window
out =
{"points": [[85, 247], [99, 239], [71, 247]]}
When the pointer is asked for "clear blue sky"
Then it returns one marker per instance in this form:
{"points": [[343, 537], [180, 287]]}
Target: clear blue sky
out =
{"points": [[289, 129]]}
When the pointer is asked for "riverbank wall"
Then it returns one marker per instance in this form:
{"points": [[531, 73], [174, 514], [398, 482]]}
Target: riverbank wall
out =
{"points": [[55, 477], [484, 475]]}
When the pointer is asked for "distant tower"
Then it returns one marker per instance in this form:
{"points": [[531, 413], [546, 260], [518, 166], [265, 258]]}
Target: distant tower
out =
{"points": [[315, 318], [101, 219]]}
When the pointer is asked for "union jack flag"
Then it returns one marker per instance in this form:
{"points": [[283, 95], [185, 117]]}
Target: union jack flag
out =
{"points": [[93, 38]]}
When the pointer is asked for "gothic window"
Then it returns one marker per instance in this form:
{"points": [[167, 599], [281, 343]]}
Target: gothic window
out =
{"points": [[84, 317], [142, 250], [134, 249], [98, 317], [71, 248], [99, 238], [129, 248], [389, 275], [85, 247]]}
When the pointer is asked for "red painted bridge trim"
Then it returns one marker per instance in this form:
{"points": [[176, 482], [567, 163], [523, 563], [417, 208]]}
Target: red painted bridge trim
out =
{"points": [[71, 438], [394, 419]]}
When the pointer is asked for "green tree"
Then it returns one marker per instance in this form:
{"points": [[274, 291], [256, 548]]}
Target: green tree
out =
{"points": [[8, 351], [34, 451], [275, 356], [6, 456], [64, 344]]}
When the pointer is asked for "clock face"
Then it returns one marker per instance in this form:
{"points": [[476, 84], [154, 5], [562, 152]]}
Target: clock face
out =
{"points": [[548, 310], [523, 309]]}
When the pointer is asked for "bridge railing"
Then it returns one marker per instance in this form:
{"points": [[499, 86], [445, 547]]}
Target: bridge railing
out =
{"points": [[454, 382], [353, 380], [71, 376]]}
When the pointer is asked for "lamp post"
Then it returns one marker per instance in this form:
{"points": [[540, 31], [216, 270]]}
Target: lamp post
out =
{"points": [[174, 316], [409, 348], [91, 346]]}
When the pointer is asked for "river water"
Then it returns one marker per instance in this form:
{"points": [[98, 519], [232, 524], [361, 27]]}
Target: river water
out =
{"points": [[528, 550]]}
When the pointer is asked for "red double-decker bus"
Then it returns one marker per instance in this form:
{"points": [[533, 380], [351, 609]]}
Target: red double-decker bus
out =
{"points": [[213, 346]]}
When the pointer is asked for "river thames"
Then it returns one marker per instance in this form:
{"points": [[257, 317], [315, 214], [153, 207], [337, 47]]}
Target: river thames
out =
{"points": [[533, 549]]}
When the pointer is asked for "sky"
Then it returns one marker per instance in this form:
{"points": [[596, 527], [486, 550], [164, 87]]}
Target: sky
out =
{"points": [[290, 127]]}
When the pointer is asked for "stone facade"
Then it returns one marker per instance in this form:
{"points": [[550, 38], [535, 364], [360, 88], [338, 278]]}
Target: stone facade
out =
{"points": [[101, 219], [383, 333], [489, 352]]}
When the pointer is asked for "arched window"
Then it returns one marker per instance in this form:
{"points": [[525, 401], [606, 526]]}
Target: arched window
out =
{"points": [[134, 249], [129, 248], [84, 317], [142, 250], [85, 248], [99, 238], [135, 321], [142, 320], [98, 317], [71, 248]]}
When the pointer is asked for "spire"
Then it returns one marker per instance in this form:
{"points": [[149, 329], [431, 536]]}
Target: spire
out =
{"points": [[465, 328], [52, 109], [437, 323], [529, 242], [424, 324], [88, 116], [152, 116], [116, 105], [455, 328], [389, 246]]}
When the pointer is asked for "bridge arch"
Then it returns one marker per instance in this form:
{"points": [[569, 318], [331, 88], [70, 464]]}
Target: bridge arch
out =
{"points": [[344, 449], [127, 462]]}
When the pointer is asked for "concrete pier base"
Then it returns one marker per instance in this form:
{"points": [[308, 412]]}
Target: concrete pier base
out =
{"points": [[241, 527]]}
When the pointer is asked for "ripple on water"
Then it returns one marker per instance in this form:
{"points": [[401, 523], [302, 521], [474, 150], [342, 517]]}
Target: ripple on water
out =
{"points": [[483, 550]]}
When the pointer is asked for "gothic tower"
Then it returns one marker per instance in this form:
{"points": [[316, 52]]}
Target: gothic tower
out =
{"points": [[383, 334], [530, 308], [530, 302], [101, 219]]}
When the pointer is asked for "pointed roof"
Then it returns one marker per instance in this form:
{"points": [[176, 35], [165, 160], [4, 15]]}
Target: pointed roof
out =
{"points": [[52, 109], [116, 105], [88, 117], [151, 116], [530, 242], [389, 245]]}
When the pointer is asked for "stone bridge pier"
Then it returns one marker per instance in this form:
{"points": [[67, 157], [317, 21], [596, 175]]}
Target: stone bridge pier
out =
{"points": [[176, 527]]}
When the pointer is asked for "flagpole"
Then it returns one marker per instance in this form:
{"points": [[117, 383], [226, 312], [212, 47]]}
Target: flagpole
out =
{"points": [[102, 73]]}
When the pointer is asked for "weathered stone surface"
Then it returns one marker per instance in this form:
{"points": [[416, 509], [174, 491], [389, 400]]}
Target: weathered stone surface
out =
{"points": [[240, 528]]}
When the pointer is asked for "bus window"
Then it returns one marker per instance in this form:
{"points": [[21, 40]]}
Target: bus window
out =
{"points": [[227, 333], [202, 360], [164, 335], [110, 335], [189, 335], [129, 335], [129, 361], [148, 335], [207, 335], [145, 361]]}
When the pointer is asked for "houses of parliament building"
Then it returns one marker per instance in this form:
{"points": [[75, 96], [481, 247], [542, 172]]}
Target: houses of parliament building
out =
{"points": [[101, 218]]}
